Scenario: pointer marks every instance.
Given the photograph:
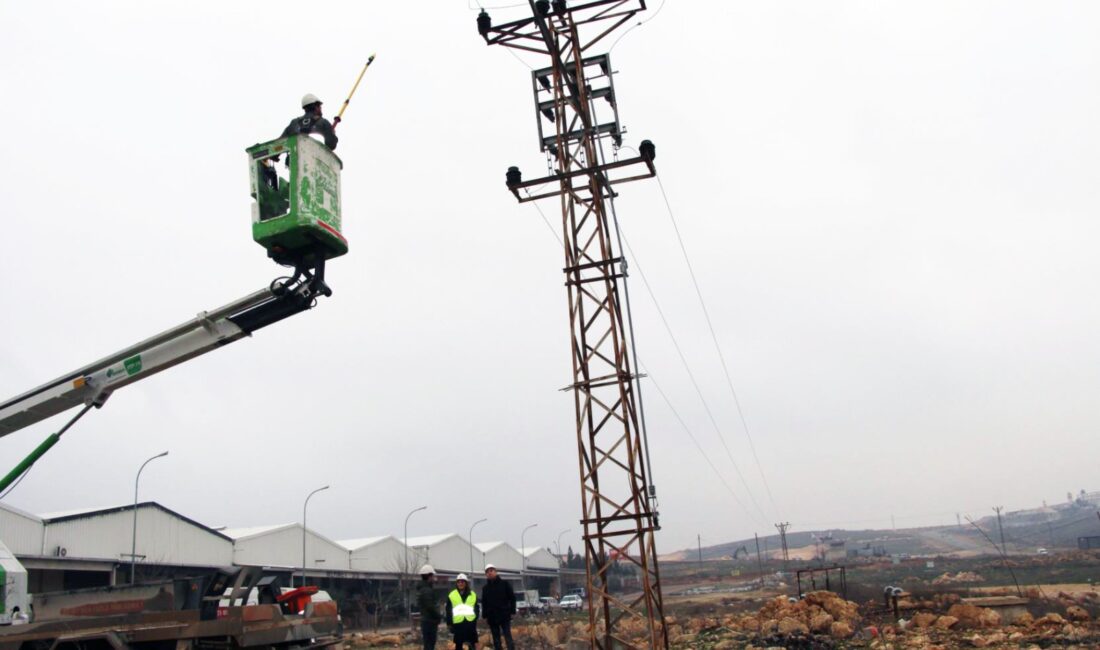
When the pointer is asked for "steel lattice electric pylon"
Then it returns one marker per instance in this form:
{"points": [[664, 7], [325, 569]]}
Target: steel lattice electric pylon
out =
{"points": [[618, 504]]}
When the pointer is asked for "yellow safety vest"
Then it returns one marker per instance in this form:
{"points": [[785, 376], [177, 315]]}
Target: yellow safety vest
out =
{"points": [[462, 611]]}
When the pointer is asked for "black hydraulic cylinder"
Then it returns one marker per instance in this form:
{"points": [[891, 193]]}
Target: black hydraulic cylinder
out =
{"points": [[272, 311]]}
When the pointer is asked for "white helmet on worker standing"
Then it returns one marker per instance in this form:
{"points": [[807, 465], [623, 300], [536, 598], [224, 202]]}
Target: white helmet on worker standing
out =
{"points": [[462, 577], [490, 566], [427, 570], [310, 98]]}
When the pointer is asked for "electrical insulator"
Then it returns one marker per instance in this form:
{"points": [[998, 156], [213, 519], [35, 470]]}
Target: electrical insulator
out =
{"points": [[513, 177]]}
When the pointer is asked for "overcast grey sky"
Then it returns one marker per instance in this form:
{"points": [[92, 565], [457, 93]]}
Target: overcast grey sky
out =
{"points": [[890, 208]]}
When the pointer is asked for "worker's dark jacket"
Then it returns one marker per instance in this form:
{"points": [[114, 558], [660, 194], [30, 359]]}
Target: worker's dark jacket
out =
{"points": [[310, 123], [498, 601], [428, 600]]}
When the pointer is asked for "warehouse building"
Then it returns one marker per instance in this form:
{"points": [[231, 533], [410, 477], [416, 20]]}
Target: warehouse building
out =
{"points": [[449, 554], [280, 547], [92, 547], [375, 555], [506, 559]]}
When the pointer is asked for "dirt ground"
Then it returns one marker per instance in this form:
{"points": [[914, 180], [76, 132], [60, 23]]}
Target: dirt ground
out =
{"points": [[722, 614]]}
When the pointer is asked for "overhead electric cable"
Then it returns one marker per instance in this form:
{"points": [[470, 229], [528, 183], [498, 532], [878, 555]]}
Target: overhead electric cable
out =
{"points": [[637, 24], [683, 359], [695, 440], [691, 376], [717, 347]]}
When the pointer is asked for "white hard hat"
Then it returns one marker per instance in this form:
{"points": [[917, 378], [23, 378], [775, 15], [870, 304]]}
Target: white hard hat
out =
{"points": [[462, 576], [427, 570], [310, 98], [490, 566]]}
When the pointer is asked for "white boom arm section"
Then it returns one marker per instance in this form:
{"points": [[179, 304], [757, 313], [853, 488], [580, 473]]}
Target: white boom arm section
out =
{"points": [[94, 383]]}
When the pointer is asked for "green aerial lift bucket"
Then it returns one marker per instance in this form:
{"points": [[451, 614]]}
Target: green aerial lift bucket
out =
{"points": [[296, 211]]}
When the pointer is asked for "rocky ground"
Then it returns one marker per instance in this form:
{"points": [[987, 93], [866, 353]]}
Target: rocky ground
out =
{"points": [[825, 620]]}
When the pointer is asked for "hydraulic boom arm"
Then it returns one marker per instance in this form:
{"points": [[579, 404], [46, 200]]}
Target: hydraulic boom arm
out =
{"points": [[94, 383]]}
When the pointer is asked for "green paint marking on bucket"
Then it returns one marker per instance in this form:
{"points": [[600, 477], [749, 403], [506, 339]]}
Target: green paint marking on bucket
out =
{"points": [[296, 187]]}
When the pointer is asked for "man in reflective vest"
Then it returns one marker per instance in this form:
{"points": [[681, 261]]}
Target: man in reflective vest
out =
{"points": [[462, 613]]}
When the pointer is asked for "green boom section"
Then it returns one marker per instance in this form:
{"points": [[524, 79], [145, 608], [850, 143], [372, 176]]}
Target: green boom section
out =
{"points": [[296, 211], [29, 460]]}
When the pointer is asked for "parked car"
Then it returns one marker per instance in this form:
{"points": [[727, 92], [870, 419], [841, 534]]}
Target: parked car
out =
{"points": [[549, 604], [572, 601]]}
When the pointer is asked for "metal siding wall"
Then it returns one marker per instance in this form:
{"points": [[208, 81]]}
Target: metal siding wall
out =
{"points": [[542, 559], [284, 548], [280, 548], [386, 556], [90, 537], [22, 536], [505, 558], [161, 538], [165, 539], [451, 555], [335, 556]]}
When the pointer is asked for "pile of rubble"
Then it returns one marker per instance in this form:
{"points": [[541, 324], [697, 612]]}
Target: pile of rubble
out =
{"points": [[981, 627], [819, 613], [962, 577]]}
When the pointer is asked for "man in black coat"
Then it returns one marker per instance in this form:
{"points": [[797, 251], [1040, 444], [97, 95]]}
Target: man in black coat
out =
{"points": [[498, 604], [312, 121], [428, 600]]}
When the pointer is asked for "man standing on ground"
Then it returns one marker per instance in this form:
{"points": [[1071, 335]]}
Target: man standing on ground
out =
{"points": [[428, 602], [498, 602], [462, 613], [311, 121]]}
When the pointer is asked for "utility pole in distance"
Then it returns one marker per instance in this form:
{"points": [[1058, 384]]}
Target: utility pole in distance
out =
{"points": [[1001, 528], [699, 542], [783, 544], [759, 562]]}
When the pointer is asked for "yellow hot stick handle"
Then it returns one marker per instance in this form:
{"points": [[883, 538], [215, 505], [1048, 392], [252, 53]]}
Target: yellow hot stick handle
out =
{"points": [[347, 101]]}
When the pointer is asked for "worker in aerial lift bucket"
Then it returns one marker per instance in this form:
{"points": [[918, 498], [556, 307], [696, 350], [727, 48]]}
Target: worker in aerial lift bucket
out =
{"points": [[311, 121]]}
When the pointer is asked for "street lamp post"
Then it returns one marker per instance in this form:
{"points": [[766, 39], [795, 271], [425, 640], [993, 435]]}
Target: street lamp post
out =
{"points": [[133, 542], [557, 544], [523, 552], [304, 506], [405, 577], [471, 538]]}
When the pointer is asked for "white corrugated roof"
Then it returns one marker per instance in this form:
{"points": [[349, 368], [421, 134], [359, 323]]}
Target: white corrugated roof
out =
{"points": [[485, 547], [21, 513], [75, 512], [363, 542], [254, 531], [429, 540]]}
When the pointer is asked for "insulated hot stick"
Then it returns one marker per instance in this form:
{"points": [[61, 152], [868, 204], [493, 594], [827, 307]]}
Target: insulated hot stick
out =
{"points": [[339, 116]]}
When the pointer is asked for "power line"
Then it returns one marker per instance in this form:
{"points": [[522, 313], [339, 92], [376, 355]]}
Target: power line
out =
{"points": [[545, 220], [691, 376], [636, 25], [668, 402], [694, 440], [717, 347]]}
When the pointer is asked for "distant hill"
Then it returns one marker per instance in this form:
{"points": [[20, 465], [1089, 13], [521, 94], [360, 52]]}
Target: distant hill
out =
{"points": [[1025, 531]]}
